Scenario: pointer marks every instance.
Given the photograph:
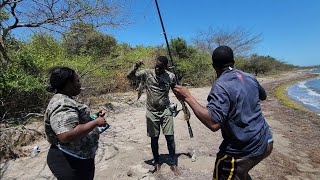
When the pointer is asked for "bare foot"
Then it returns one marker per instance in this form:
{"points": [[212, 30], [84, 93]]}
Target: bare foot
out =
{"points": [[156, 169], [175, 170]]}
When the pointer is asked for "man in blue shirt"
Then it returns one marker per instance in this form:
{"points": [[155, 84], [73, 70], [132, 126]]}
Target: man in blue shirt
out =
{"points": [[234, 107]]}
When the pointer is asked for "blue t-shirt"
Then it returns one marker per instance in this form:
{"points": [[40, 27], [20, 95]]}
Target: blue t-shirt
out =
{"points": [[233, 102]]}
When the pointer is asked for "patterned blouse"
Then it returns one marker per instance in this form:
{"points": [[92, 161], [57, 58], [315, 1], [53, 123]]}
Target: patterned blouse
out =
{"points": [[64, 114]]}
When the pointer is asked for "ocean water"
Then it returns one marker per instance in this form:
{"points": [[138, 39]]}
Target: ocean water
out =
{"points": [[307, 92]]}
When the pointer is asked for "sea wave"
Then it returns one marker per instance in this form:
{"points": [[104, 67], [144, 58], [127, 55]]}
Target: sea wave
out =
{"points": [[307, 93], [309, 90]]}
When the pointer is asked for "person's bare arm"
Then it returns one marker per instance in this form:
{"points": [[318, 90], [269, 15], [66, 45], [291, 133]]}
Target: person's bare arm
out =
{"points": [[81, 130], [132, 74], [200, 111]]}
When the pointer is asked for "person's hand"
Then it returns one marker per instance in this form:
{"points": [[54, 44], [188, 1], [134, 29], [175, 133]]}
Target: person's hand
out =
{"points": [[139, 63], [101, 122], [181, 92], [102, 112]]}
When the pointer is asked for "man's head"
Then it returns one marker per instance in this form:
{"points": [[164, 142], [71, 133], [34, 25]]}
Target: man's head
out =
{"points": [[161, 64], [222, 57]]}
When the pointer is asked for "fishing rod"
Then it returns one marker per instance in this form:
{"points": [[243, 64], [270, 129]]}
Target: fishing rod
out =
{"points": [[184, 106]]}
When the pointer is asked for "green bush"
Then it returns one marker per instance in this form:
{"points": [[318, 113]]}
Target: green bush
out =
{"points": [[196, 70], [21, 88], [261, 64], [82, 38], [23, 81]]}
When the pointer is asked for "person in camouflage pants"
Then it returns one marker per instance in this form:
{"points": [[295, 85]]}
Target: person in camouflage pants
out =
{"points": [[69, 129], [158, 82]]}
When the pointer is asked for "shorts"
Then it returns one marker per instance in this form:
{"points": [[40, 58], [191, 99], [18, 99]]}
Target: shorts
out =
{"points": [[228, 167], [159, 118]]}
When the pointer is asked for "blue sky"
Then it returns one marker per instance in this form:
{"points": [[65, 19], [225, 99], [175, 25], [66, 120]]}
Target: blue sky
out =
{"points": [[290, 28]]}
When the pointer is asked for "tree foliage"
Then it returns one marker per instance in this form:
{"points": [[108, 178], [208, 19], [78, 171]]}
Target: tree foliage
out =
{"points": [[196, 70], [101, 63], [261, 64], [180, 48], [83, 38], [55, 15]]}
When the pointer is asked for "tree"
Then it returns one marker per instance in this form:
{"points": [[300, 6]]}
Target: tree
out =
{"points": [[241, 40], [55, 15], [83, 38], [100, 44], [181, 49], [261, 64]]}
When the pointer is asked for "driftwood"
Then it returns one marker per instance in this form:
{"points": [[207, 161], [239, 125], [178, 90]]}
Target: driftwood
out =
{"points": [[30, 116], [24, 120]]}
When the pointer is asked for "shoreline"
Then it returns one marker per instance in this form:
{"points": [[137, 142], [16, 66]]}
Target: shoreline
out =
{"points": [[282, 94], [296, 133]]}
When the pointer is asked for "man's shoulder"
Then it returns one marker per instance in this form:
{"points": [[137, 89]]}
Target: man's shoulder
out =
{"points": [[245, 73], [235, 73]]}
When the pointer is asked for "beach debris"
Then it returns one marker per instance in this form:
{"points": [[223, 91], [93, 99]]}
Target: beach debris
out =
{"points": [[193, 156], [35, 151], [129, 173]]}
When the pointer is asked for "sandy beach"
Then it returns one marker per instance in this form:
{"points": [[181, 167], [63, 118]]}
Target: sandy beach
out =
{"points": [[124, 150]]}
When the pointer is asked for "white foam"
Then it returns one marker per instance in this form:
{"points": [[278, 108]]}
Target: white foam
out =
{"points": [[313, 93], [309, 97], [309, 91], [310, 102], [302, 84]]}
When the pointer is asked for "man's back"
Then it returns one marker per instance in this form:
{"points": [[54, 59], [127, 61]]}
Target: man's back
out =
{"points": [[234, 103], [233, 106]]}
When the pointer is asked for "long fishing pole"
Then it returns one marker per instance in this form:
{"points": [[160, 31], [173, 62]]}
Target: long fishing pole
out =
{"points": [[184, 107]]}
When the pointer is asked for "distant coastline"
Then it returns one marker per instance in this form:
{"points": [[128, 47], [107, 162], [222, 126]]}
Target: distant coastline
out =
{"points": [[282, 93]]}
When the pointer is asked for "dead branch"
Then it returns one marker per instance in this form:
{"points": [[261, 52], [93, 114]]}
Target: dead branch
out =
{"points": [[241, 40], [56, 16], [32, 115]]}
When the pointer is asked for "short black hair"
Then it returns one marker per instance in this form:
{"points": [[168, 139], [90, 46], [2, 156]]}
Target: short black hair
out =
{"points": [[59, 77], [222, 57], [163, 59]]}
